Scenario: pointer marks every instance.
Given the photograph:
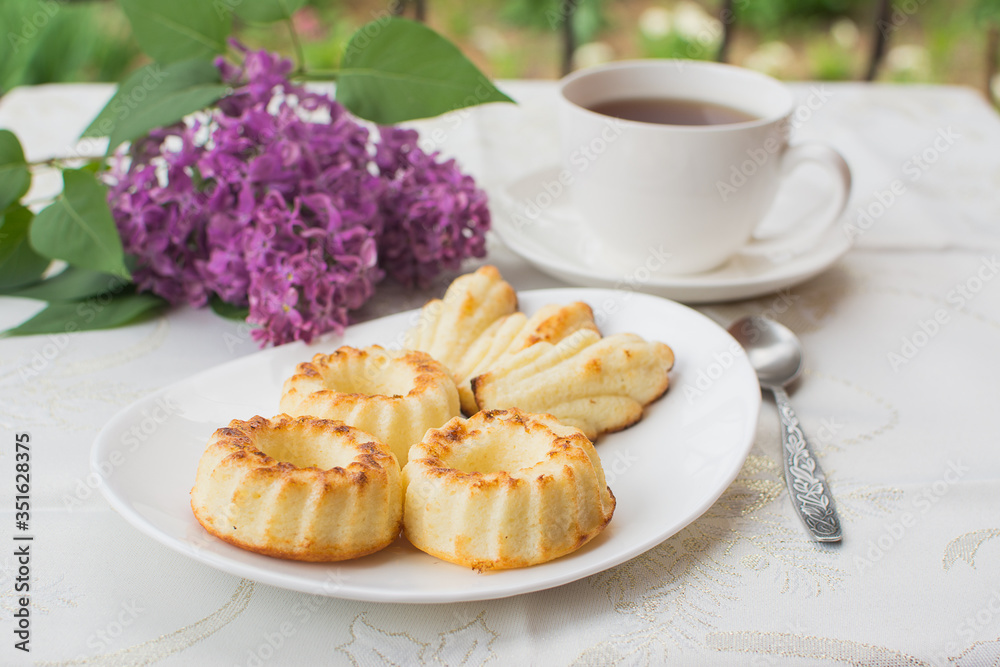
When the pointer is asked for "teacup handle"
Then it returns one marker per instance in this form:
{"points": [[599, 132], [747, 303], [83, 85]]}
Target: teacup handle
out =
{"points": [[795, 240]]}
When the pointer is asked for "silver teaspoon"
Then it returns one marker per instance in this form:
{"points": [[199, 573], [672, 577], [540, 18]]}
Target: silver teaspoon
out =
{"points": [[776, 354]]}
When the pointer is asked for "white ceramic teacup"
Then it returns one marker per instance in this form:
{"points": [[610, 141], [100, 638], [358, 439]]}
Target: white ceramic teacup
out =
{"points": [[697, 191]]}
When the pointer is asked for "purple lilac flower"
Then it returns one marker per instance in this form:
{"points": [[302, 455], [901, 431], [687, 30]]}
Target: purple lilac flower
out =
{"points": [[280, 201], [433, 214]]}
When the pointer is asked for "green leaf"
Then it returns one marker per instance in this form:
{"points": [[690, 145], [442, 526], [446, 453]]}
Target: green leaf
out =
{"points": [[78, 227], [267, 11], [19, 264], [172, 30], [14, 224], [228, 310], [395, 70], [155, 96], [90, 315], [73, 284], [94, 166], [14, 176]]}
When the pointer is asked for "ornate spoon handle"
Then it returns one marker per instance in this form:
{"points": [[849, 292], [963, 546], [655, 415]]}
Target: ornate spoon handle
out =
{"points": [[806, 481]]}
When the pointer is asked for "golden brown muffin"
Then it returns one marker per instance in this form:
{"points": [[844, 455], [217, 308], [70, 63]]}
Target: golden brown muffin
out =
{"points": [[305, 489], [396, 395], [504, 489]]}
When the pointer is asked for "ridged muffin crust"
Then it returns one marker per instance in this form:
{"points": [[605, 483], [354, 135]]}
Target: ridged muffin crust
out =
{"points": [[448, 327], [396, 395], [513, 333], [504, 489], [298, 488], [596, 384]]}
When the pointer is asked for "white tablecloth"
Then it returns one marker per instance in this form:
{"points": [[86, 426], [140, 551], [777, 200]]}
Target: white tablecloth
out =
{"points": [[904, 415]]}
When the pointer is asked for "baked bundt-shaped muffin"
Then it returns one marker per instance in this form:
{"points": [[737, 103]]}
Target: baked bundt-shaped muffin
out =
{"points": [[448, 327], [504, 489], [513, 333], [596, 384], [396, 395], [304, 489]]}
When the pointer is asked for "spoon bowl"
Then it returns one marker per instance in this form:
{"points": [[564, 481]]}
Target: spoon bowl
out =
{"points": [[774, 351]]}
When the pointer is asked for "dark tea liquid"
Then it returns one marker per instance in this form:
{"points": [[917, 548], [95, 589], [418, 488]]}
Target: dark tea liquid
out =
{"points": [[668, 111]]}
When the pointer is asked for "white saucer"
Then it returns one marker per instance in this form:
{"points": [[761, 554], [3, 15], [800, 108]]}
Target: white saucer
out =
{"points": [[546, 231]]}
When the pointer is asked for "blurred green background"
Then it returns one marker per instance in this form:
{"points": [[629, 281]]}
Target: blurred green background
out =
{"points": [[931, 41]]}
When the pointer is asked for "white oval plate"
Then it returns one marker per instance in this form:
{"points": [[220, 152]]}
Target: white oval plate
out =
{"points": [[665, 471]]}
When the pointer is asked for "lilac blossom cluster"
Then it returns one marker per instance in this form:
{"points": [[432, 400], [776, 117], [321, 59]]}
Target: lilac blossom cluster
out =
{"points": [[277, 199]]}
